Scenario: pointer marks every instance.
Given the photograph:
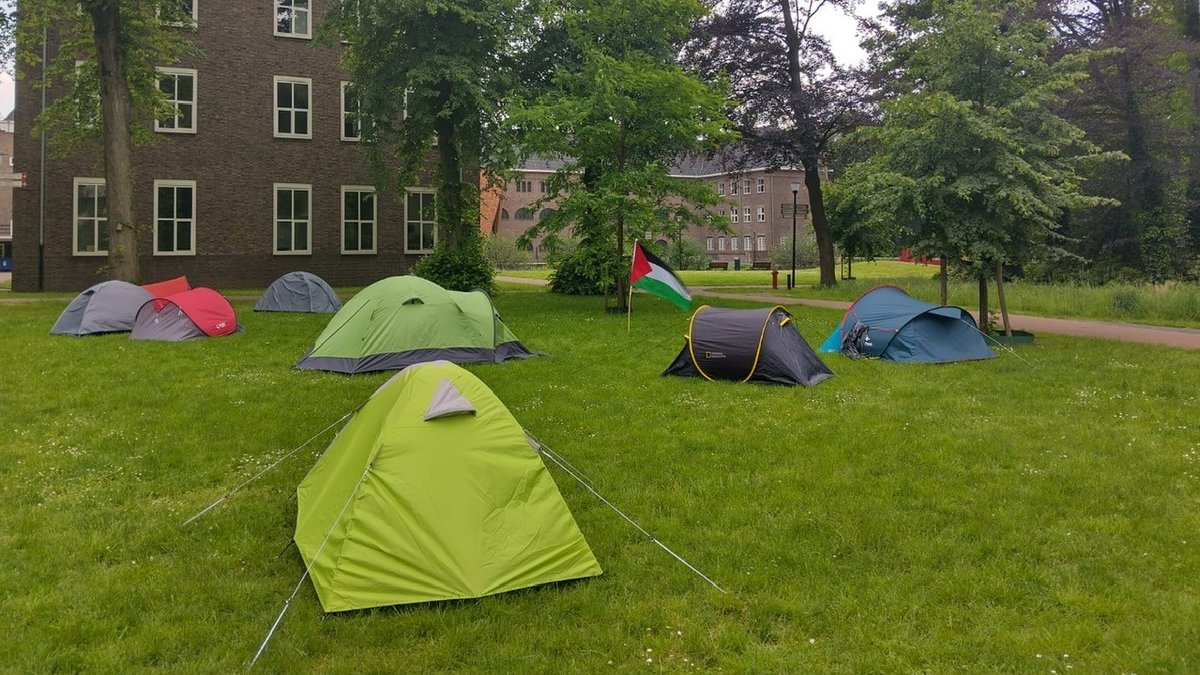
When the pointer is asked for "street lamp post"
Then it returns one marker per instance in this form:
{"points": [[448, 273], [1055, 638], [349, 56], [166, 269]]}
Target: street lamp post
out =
{"points": [[795, 191]]}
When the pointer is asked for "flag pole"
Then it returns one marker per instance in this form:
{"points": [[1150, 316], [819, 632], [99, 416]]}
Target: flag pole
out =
{"points": [[629, 313]]}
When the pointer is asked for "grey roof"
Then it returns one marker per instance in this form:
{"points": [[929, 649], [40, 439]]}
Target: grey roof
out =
{"points": [[733, 159]]}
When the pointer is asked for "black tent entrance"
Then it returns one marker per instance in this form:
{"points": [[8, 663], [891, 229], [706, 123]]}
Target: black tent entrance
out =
{"points": [[747, 345]]}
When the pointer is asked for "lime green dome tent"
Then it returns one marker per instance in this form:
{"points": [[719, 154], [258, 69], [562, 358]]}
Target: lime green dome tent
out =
{"points": [[433, 492], [399, 321]]}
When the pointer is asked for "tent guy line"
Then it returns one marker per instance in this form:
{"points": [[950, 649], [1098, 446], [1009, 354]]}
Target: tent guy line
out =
{"points": [[547, 452], [274, 464]]}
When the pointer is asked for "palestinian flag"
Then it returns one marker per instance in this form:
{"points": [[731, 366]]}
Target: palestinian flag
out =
{"points": [[657, 278]]}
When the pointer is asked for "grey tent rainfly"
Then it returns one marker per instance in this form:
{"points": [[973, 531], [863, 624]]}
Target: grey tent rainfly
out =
{"points": [[298, 292], [748, 345], [200, 312], [107, 307]]}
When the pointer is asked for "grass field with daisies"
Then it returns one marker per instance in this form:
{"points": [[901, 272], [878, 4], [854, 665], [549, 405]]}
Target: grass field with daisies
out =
{"points": [[1030, 514]]}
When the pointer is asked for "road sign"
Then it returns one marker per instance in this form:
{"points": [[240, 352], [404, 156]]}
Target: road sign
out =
{"points": [[12, 180], [785, 210]]}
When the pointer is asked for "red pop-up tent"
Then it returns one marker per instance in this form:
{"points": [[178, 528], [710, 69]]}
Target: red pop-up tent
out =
{"points": [[162, 289], [199, 312]]}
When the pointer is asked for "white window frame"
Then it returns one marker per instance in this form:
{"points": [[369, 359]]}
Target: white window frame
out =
{"points": [[419, 190], [746, 214], [195, 17], [721, 189], [733, 215], [733, 243], [762, 242], [342, 105], [733, 187], [746, 243], [275, 105], [176, 72], [708, 243], [374, 221], [761, 185], [275, 20], [276, 187], [96, 219], [175, 184], [746, 186], [721, 244], [762, 214]]}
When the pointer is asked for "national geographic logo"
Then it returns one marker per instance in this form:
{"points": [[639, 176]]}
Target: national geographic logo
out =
{"points": [[714, 355]]}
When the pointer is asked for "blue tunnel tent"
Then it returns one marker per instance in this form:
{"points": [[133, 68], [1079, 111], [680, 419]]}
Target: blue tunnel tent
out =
{"points": [[888, 323]]}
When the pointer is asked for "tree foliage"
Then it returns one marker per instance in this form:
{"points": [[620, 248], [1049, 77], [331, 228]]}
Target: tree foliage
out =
{"points": [[794, 99], [105, 57], [432, 79], [619, 111]]}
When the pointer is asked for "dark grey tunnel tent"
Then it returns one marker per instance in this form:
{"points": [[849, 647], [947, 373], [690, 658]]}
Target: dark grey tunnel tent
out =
{"points": [[748, 345], [107, 307], [298, 292]]}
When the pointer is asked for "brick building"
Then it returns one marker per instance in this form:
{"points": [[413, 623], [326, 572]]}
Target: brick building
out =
{"points": [[258, 173], [6, 193], [752, 201]]}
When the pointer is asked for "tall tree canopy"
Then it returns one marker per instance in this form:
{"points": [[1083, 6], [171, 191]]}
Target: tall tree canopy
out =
{"points": [[433, 78], [107, 52], [793, 97], [619, 112], [973, 158]]}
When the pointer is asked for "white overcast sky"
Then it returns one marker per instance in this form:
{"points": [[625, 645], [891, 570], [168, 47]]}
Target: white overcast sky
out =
{"points": [[831, 22]]}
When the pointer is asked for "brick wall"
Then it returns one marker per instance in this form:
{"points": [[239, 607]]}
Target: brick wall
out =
{"points": [[234, 160]]}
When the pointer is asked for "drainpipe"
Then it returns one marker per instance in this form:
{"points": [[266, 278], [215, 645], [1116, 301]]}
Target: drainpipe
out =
{"points": [[41, 286]]}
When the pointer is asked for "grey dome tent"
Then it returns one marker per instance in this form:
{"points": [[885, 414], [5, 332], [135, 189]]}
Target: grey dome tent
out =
{"points": [[748, 345], [107, 307], [888, 323], [298, 292]]}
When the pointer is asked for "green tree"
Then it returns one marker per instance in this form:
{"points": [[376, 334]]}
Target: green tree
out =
{"points": [[619, 111], [107, 52], [432, 79], [973, 160]]}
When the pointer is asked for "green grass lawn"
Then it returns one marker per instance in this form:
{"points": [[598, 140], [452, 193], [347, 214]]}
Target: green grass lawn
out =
{"points": [[990, 516]]}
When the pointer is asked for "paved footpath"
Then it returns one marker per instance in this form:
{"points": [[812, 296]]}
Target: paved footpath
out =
{"points": [[1184, 338]]}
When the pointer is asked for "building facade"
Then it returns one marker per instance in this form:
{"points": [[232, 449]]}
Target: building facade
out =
{"points": [[259, 172], [755, 203], [6, 193]]}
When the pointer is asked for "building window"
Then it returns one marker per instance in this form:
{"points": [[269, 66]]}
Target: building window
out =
{"points": [[542, 186], [733, 215], [721, 189], [87, 94], [420, 232], [745, 243], [708, 243], [762, 185], [91, 217], [351, 114], [762, 214], [293, 220], [746, 186], [292, 18], [183, 17], [733, 241], [524, 186], [721, 212], [524, 214], [179, 86], [174, 217], [762, 242], [733, 187], [503, 214], [721, 244], [746, 214], [545, 213], [358, 219], [293, 107]]}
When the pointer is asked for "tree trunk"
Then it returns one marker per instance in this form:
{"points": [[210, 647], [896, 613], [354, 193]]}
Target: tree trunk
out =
{"points": [[622, 280], [116, 106], [1000, 297], [984, 320], [820, 224], [449, 199], [945, 283]]}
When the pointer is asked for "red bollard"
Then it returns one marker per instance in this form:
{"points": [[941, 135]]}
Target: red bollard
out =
{"points": [[774, 278]]}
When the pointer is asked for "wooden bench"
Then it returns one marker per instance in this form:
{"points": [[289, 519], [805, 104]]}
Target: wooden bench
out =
{"points": [[761, 265], [718, 264]]}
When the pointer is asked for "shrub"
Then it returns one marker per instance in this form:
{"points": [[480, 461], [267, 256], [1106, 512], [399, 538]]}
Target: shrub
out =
{"points": [[462, 270], [684, 254], [504, 253], [586, 271], [806, 252], [1126, 302]]}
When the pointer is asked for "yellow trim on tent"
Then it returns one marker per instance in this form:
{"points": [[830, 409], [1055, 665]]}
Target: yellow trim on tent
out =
{"points": [[757, 351], [692, 349]]}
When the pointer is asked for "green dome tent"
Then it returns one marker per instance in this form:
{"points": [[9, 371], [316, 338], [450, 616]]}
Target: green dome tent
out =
{"points": [[433, 492], [399, 321]]}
